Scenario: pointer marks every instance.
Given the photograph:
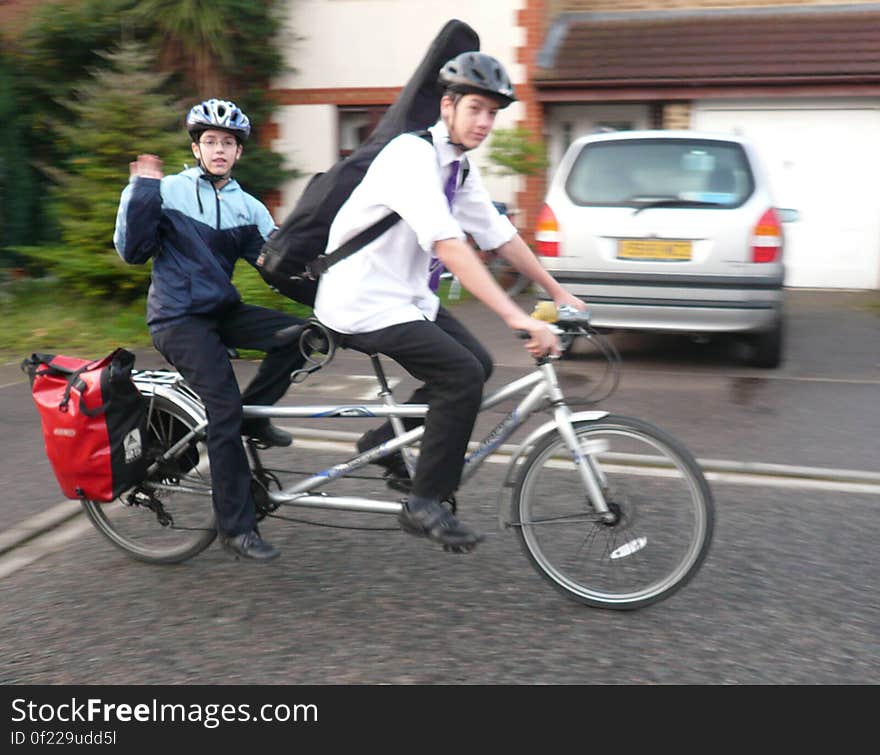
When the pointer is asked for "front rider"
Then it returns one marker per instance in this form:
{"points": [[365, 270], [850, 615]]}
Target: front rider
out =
{"points": [[194, 226], [381, 300]]}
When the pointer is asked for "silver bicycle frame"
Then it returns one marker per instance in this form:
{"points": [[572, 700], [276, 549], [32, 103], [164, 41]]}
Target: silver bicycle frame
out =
{"points": [[542, 387]]}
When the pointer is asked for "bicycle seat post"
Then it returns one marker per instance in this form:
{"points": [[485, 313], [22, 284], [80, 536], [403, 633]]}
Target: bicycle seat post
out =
{"points": [[388, 399], [384, 390]]}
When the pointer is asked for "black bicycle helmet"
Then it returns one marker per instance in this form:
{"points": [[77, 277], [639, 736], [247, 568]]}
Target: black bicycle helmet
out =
{"points": [[478, 73], [219, 114]]}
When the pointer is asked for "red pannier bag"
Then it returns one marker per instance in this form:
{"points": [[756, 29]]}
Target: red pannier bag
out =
{"points": [[94, 422]]}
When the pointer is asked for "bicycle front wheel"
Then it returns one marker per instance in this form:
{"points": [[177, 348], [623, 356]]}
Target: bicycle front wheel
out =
{"points": [[169, 517], [662, 507]]}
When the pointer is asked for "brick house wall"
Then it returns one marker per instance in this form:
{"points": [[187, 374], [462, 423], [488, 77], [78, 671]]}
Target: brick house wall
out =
{"points": [[533, 20]]}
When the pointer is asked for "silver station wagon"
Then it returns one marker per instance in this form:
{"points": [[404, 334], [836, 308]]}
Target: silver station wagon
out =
{"points": [[668, 231]]}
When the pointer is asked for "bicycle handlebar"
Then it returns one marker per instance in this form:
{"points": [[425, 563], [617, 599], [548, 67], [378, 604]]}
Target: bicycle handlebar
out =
{"points": [[562, 320], [569, 323]]}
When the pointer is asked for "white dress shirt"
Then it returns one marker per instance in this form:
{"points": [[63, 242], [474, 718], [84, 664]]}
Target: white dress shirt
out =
{"points": [[386, 282]]}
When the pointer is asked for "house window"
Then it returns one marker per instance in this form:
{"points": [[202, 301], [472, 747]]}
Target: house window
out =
{"points": [[356, 124], [614, 126]]}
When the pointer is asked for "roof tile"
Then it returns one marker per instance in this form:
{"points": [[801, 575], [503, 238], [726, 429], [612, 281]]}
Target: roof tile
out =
{"points": [[715, 48]]}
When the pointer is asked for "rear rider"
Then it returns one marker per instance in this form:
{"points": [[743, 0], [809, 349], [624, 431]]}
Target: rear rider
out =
{"points": [[194, 226]]}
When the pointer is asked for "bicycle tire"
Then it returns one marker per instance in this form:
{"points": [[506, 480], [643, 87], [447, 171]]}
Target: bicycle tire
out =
{"points": [[655, 486], [185, 496]]}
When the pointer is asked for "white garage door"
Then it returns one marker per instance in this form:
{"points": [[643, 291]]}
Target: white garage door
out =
{"points": [[825, 163]]}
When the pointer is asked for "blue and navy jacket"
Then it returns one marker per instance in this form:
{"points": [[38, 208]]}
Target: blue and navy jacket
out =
{"points": [[194, 236]]}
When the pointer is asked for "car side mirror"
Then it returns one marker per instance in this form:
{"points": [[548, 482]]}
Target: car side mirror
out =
{"points": [[788, 215]]}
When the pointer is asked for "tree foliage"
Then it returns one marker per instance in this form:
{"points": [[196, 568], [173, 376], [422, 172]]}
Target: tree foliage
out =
{"points": [[191, 37], [224, 49], [77, 134], [117, 114], [19, 191], [58, 49], [516, 151]]}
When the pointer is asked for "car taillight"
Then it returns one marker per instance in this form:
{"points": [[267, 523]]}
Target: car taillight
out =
{"points": [[767, 238], [547, 233]]}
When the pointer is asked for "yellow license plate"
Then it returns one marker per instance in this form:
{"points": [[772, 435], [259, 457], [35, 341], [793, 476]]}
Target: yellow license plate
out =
{"points": [[653, 249]]}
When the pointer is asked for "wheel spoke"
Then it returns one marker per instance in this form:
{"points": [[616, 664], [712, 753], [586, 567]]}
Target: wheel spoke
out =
{"points": [[562, 519]]}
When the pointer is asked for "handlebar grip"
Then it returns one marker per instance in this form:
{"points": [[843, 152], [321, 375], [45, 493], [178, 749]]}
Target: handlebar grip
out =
{"points": [[524, 335]]}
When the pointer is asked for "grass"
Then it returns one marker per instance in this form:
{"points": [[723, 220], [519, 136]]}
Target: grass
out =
{"points": [[39, 315]]}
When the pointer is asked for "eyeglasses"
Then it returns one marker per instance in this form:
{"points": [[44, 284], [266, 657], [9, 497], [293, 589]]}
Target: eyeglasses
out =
{"points": [[216, 144]]}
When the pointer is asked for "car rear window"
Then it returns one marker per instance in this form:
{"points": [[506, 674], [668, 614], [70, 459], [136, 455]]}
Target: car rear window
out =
{"points": [[637, 172]]}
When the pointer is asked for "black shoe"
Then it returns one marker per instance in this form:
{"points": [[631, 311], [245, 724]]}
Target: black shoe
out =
{"points": [[265, 433], [250, 545], [396, 474], [439, 524]]}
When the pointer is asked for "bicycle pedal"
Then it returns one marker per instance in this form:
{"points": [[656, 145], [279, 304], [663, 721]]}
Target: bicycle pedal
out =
{"points": [[400, 484], [459, 548]]}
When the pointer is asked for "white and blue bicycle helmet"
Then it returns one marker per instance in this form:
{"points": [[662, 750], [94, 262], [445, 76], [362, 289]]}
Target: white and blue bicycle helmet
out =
{"points": [[219, 114]]}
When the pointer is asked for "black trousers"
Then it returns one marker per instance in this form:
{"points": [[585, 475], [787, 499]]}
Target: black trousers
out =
{"points": [[453, 366], [197, 349]]}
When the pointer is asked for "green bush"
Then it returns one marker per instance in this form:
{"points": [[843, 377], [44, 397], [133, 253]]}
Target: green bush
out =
{"points": [[117, 114], [516, 151], [81, 115]]}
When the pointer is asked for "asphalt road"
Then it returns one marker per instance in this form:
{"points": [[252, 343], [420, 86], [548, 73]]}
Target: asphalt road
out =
{"points": [[788, 594]]}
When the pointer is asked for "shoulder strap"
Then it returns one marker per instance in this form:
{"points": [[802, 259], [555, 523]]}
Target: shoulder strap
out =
{"points": [[323, 263], [465, 165], [320, 265]]}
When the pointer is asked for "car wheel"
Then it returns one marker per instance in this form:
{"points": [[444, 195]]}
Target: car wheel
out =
{"points": [[767, 346]]}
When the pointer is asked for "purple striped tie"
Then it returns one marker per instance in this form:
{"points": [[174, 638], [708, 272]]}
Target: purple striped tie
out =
{"points": [[451, 182], [449, 190]]}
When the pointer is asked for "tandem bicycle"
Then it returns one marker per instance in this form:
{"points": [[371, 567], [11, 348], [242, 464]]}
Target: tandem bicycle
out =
{"points": [[612, 511]]}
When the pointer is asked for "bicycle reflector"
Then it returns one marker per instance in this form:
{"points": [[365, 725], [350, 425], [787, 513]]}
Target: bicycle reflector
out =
{"points": [[767, 238], [547, 233]]}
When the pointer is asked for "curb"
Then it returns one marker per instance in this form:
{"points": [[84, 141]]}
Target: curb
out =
{"points": [[38, 524], [760, 469]]}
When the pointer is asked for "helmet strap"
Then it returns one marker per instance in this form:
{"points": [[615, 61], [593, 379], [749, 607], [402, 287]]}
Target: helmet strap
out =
{"points": [[213, 178], [457, 97]]}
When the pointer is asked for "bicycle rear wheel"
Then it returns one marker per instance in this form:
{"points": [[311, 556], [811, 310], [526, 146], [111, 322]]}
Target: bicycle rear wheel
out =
{"points": [[169, 517], [661, 501], [509, 278]]}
